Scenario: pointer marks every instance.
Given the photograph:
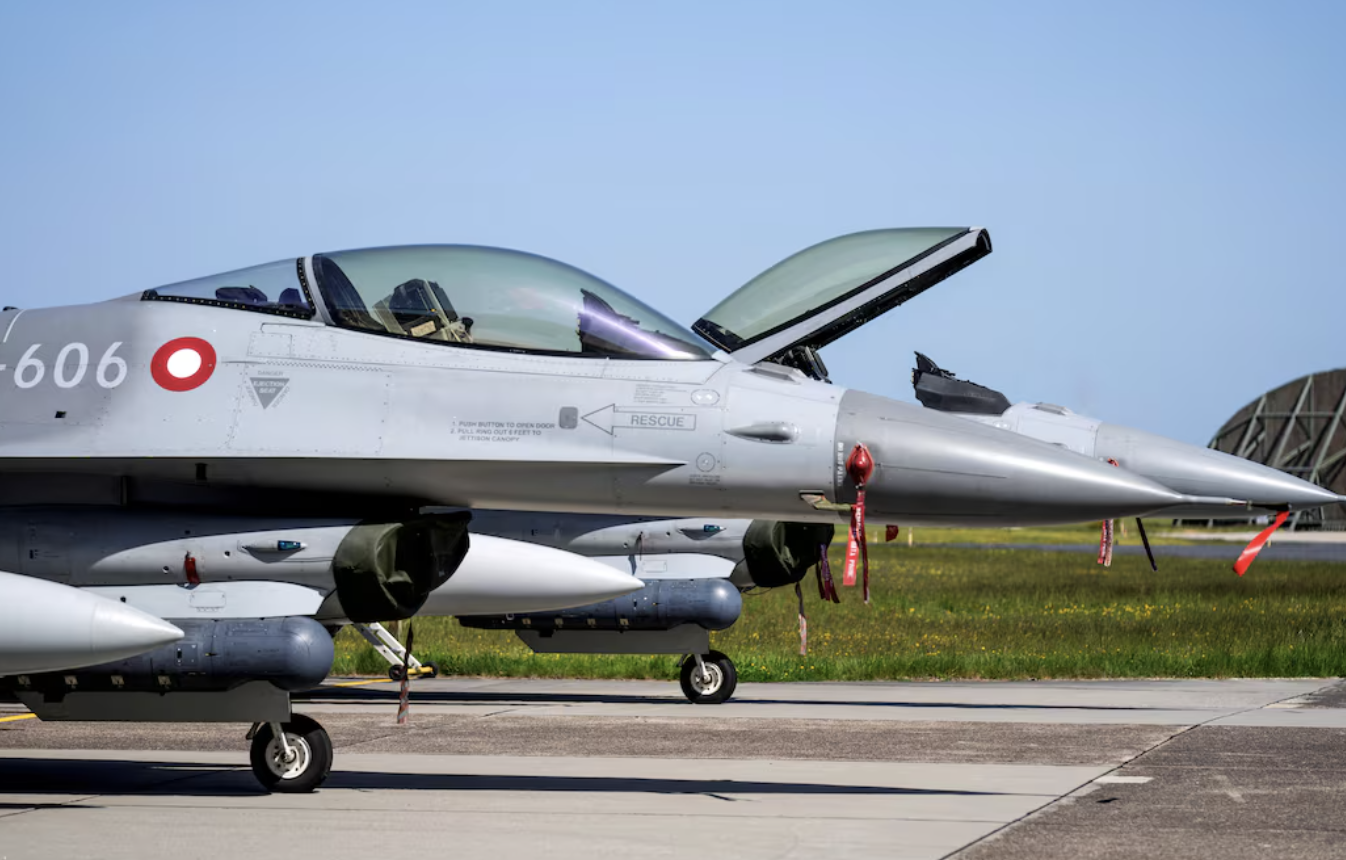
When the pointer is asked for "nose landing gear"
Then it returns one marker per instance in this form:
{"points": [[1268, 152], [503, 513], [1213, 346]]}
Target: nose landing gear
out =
{"points": [[293, 757], [391, 650], [708, 680]]}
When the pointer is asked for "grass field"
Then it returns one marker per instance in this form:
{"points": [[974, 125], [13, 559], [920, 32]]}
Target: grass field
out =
{"points": [[941, 612], [1159, 531]]}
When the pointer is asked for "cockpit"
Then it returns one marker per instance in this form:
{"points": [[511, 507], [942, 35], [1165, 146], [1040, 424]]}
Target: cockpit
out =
{"points": [[460, 295]]}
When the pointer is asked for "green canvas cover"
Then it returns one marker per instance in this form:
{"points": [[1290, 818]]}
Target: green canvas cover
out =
{"points": [[384, 571], [779, 553]]}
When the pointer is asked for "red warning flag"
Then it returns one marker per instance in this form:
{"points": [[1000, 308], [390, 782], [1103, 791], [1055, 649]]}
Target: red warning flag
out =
{"points": [[1107, 535], [404, 695], [891, 533], [1106, 539], [1255, 545], [859, 467], [827, 589], [803, 623]]}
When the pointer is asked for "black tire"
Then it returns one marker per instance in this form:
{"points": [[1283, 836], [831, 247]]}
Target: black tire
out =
{"points": [[431, 670], [724, 679], [315, 750], [396, 672]]}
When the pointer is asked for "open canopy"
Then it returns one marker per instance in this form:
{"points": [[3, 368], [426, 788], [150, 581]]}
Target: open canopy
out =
{"points": [[823, 292]]}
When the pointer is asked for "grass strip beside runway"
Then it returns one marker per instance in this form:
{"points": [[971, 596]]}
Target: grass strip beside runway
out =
{"points": [[969, 613]]}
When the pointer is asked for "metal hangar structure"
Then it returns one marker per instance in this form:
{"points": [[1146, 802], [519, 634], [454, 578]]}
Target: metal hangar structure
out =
{"points": [[1297, 428]]}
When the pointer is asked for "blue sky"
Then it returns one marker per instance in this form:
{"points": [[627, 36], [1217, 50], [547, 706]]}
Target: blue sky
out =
{"points": [[1162, 181]]}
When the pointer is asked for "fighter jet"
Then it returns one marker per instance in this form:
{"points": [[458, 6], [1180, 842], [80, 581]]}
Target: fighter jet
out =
{"points": [[209, 433], [694, 568]]}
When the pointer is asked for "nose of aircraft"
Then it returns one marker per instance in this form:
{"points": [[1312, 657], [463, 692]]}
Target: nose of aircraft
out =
{"points": [[122, 629], [941, 470], [1204, 472], [501, 576]]}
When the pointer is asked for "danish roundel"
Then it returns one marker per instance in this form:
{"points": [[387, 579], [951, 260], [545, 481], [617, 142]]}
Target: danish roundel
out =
{"points": [[183, 363]]}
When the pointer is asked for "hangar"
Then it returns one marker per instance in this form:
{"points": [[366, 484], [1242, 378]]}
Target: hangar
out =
{"points": [[1297, 428]]}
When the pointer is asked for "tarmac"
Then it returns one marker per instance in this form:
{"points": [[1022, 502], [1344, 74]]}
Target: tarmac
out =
{"points": [[596, 769]]}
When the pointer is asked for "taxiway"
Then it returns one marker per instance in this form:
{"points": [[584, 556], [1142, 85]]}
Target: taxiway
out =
{"points": [[590, 769]]}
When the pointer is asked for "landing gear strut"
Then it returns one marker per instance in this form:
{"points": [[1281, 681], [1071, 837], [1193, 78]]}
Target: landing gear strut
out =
{"points": [[391, 650], [708, 680], [293, 757]]}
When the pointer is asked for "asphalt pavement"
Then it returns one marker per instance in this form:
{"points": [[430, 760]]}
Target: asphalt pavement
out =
{"points": [[598, 769]]}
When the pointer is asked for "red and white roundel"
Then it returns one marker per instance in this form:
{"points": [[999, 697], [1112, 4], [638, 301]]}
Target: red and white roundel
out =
{"points": [[183, 363]]}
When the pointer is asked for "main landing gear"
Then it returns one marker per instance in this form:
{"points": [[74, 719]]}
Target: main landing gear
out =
{"points": [[293, 757], [391, 650], [709, 679]]}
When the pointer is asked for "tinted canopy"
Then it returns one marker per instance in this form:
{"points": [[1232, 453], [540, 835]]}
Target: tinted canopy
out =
{"points": [[825, 291], [497, 299]]}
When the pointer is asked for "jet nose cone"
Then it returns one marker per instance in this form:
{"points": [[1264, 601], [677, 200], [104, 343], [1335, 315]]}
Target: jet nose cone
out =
{"points": [[47, 626], [943, 470], [1204, 472], [501, 576], [602, 582], [117, 627]]}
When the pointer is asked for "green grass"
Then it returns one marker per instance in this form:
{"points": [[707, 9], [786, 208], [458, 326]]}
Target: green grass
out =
{"points": [[1161, 533], [941, 612]]}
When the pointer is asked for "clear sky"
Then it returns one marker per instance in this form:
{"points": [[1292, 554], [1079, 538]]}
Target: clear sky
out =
{"points": [[1163, 181]]}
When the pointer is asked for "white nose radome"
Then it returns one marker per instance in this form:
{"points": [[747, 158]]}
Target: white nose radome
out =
{"points": [[49, 627], [501, 576]]}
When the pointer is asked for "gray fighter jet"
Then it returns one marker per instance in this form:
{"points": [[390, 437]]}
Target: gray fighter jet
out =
{"points": [[694, 568], [262, 444]]}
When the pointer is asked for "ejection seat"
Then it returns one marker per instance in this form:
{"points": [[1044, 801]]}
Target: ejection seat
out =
{"points": [[420, 309]]}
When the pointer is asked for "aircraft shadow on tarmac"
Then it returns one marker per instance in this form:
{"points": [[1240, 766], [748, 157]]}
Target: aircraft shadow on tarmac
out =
{"points": [[4, 807], [35, 776], [354, 695], [365, 780]]}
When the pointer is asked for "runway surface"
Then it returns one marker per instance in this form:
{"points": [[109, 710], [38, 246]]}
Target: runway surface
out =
{"points": [[618, 769]]}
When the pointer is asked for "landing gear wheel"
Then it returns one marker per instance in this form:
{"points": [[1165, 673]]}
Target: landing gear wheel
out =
{"points": [[309, 761], [717, 684], [431, 670], [396, 672]]}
